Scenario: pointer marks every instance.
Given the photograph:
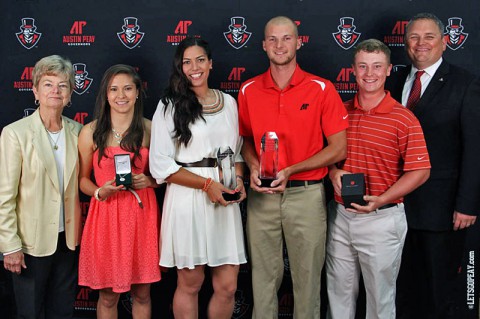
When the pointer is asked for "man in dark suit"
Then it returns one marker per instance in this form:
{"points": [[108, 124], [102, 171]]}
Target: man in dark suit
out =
{"points": [[440, 211]]}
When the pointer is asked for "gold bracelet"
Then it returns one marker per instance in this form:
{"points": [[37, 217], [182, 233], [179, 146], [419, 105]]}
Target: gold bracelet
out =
{"points": [[96, 194]]}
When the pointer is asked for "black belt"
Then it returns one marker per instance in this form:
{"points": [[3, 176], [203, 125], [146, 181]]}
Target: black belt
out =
{"points": [[302, 183], [206, 162], [387, 206]]}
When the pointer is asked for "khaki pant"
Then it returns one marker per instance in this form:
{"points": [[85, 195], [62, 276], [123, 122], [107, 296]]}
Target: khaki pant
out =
{"points": [[300, 214], [370, 244]]}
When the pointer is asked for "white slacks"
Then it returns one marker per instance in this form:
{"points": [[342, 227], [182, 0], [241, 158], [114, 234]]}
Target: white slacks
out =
{"points": [[370, 244]]}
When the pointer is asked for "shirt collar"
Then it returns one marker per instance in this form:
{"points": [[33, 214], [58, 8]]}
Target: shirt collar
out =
{"points": [[430, 70], [297, 77], [385, 106]]}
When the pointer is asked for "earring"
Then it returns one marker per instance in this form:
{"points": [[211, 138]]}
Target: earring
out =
{"points": [[37, 102], [69, 104], [137, 97]]}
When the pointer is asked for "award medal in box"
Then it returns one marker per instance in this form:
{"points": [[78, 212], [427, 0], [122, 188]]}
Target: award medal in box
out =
{"points": [[123, 169]]}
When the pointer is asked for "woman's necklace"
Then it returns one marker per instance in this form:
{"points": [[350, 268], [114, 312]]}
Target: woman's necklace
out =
{"points": [[55, 142], [117, 136], [215, 106]]}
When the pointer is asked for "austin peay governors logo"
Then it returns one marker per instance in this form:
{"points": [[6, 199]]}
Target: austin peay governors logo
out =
{"points": [[82, 82], [397, 37], [237, 36], [398, 67], [305, 38], [454, 36], [76, 36], [28, 36], [346, 37], [180, 32], [130, 36], [25, 83], [240, 307], [345, 81], [234, 80]]}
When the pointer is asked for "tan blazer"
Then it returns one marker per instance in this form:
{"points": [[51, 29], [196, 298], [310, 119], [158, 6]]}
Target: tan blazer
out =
{"points": [[29, 189]]}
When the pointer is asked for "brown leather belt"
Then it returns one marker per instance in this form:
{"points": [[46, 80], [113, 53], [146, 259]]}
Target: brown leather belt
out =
{"points": [[302, 183], [206, 162]]}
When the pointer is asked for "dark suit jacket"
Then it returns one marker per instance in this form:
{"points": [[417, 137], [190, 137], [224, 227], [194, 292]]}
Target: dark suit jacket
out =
{"points": [[449, 112]]}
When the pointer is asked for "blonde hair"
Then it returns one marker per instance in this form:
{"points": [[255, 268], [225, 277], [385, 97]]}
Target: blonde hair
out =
{"points": [[53, 65]]}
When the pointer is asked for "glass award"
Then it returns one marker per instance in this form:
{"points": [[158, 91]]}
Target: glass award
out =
{"points": [[123, 169], [268, 158], [226, 170]]}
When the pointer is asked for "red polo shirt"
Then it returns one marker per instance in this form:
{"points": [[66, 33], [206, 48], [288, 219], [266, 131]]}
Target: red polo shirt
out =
{"points": [[300, 114], [383, 143]]}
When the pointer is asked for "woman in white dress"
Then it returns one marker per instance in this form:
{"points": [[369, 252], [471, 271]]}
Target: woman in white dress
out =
{"points": [[199, 227]]}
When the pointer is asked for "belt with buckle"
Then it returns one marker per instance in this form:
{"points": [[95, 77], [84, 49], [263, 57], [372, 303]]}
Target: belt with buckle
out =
{"points": [[302, 183], [206, 162], [387, 206]]}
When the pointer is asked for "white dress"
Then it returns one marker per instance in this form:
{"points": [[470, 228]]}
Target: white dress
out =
{"points": [[194, 231]]}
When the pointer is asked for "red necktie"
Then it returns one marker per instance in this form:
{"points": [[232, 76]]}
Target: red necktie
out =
{"points": [[415, 91]]}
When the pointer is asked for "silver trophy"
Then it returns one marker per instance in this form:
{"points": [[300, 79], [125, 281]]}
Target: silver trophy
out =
{"points": [[226, 170], [268, 158]]}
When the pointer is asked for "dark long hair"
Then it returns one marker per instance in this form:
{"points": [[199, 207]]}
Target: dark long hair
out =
{"points": [[186, 105], [132, 141]]}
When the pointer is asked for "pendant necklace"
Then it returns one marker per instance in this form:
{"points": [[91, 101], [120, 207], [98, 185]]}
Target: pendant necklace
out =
{"points": [[117, 136], [55, 142]]}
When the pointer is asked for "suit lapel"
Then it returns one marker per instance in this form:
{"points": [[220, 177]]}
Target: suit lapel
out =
{"points": [[398, 82], [439, 79], [43, 148], [70, 149]]}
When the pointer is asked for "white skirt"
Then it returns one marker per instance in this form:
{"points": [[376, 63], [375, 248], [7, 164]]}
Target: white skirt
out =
{"points": [[196, 232]]}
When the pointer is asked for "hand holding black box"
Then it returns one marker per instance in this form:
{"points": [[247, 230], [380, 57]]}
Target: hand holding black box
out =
{"points": [[353, 189], [123, 170]]}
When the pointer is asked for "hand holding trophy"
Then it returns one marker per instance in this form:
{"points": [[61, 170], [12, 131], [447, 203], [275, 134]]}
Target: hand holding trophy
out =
{"points": [[268, 158], [226, 170]]}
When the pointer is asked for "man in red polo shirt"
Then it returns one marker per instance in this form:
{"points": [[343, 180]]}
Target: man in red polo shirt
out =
{"points": [[301, 109], [385, 142]]}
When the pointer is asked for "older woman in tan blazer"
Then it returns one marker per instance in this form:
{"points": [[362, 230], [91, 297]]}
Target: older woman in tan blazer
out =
{"points": [[40, 214]]}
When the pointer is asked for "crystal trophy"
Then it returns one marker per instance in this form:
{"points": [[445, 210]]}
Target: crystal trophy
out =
{"points": [[123, 169], [268, 158], [226, 170]]}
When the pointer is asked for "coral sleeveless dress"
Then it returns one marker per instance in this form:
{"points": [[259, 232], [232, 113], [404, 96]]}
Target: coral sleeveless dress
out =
{"points": [[120, 240]]}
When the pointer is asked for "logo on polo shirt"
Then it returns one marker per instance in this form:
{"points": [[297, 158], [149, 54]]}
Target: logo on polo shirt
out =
{"points": [[28, 35], [130, 36], [397, 37], [25, 82], [76, 36], [237, 36], [346, 37], [454, 35], [304, 106], [82, 81]]}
